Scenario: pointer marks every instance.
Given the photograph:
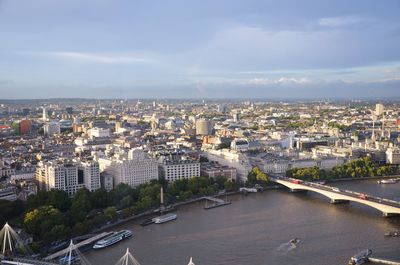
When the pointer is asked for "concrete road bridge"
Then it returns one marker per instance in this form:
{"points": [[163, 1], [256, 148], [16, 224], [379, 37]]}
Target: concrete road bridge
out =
{"points": [[336, 195]]}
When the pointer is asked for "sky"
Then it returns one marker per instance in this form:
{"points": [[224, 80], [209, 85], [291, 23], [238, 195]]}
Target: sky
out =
{"points": [[199, 49]]}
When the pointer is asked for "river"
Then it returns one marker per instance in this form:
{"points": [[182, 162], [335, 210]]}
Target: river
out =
{"points": [[255, 230]]}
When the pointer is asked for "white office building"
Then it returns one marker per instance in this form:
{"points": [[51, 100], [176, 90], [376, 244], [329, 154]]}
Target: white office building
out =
{"points": [[379, 109], [98, 132], [393, 155], [51, 128], [69, 176], [91, 174], [135, 169], [177, 168]]}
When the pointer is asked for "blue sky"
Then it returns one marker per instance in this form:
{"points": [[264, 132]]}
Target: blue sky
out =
{"points": [[199, 49]]}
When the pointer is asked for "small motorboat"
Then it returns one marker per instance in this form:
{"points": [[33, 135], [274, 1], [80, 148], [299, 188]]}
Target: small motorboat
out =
{"points": [[387, 181], [393, 233], [294, 241], [147, 222]]}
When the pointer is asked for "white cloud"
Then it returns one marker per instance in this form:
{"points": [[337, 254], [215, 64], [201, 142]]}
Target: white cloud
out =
{"points": [[291, 80], [282, 80], [100, 58], [339, 21], [259, 81]]}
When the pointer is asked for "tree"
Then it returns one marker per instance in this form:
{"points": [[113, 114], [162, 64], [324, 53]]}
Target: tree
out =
{"points": [[42, 220], [120, 191], [58, 232], [81, 205], [59, 199], [257, 176], [229, 185], [37, 200], [194, 185], [99, 198], [10, 210], [80, 228], [125, 202], [220, 181], [110, 213]]}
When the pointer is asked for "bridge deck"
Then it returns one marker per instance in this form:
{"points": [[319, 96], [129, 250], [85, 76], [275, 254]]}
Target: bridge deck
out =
{"points": [[25, 261], [214, 199], [387, 206], [87, 241], [382, 261]]}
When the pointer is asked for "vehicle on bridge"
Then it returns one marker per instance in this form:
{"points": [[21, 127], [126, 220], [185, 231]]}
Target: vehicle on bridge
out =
{"points": [[296, 181], [363, 196], [335, 189]]}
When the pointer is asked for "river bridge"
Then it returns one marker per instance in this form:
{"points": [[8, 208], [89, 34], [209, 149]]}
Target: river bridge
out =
{"points": [[76, 246], [336, 195]]}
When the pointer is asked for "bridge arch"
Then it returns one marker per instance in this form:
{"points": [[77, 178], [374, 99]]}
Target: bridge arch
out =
{"points": [[336, 197]]}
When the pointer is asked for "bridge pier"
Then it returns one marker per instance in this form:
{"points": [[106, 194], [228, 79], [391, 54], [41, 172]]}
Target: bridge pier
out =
{"points": [[390, 214], [298, 190], [336, 201]]}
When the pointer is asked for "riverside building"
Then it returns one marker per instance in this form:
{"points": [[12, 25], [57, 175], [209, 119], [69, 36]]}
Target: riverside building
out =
{"points": [[176, 166], [68, 175], [135, 169]]}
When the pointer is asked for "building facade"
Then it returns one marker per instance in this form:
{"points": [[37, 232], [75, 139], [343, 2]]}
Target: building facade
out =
{"points": [[177, 168], [204, 127], [51, 128], [393, 156], [69, 176], [136, 169]]}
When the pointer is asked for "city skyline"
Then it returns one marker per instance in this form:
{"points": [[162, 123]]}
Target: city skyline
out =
{"points": [[107, 49]]}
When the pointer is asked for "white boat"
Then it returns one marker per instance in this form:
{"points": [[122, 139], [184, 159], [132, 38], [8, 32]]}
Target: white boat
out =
{"points": [[387, 181], [248, 190], [112, 239], [165, 218], [191, 261]]}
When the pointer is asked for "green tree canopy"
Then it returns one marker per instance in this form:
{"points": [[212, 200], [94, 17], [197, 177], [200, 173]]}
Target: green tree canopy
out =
{"points": [[42, 220]]}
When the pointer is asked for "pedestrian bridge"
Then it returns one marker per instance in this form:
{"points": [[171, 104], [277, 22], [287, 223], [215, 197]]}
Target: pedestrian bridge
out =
{"points": [[336, 195]]}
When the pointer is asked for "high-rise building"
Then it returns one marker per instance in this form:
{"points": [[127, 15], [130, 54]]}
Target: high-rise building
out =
{"points": [[135, 169], [21, 127], [44, 117], [69, 176], [235, 116], [379, 109], [203, 127], [91, 174], [25, 126], [221, 108], [52, 128], [69, 110], [26, 111]]}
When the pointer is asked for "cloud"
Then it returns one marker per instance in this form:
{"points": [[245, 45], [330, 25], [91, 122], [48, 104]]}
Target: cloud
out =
{"points": [[259, 81], [291, 80], [339, 21], [280, 81], [100, 58]]}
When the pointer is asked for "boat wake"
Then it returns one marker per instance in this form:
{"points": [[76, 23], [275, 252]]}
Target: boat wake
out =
{"points": [[286, 247], [289, 246]]}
